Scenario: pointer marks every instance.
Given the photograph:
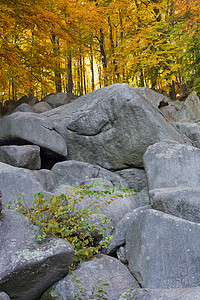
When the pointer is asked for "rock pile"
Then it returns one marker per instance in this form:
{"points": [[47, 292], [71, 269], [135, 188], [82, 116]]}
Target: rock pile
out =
{"points": [[116, 134]]}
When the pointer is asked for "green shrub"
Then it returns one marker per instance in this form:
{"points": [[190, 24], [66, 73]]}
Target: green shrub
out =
{"points": [[60, 216]]}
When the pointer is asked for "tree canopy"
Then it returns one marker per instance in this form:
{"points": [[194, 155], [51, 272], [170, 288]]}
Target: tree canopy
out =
{"points": [[81, 45]]}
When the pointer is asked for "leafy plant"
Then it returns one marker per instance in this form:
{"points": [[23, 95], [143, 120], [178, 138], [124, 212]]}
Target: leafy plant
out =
{"points": [[61, 216]]}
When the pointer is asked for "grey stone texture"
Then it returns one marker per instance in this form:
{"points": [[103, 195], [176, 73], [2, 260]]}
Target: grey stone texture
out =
{"points": [[58, 99], [4, 296], [163, 294], [183, 202], [27, 156], [106, 269], [111, 127], [191, 130], [190, 111], [32, 128], [119, 233], [41, 107], [136, 178], [29, 267], [170, 164], [156, 99], [74, 173], [19, 180], [162, 251]]}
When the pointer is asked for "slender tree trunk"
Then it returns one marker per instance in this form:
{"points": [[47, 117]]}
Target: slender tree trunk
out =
{"points": [[57, 72], [81, 73], [92, 67], [103, 56], [69, 73], [84, 79]]}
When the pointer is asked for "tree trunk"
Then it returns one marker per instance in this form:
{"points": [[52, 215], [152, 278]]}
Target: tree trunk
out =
{"points": [[69, 73], [103, 56], [92, 67]]}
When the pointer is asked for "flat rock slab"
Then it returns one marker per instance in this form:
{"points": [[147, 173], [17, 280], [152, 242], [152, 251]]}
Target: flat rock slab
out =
{"points": [[169, 294], [170, 164], [111, 127], [32, 128], [27, 157], [163, 251], [183, 202], [106, 269], [29, 267]]}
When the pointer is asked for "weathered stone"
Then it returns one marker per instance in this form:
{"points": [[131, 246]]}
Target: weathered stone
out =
{"points": [[46, 178], [29, 267], [18, 180], [170, 164], [165, 294], [4, 296], [136, 178], [111, 127], [156, 99], [162, 251], [58, 99], [191, 130], [119, 233], [32, 128], [142, 198], [170, 113], [102, 270], [24, 107], [41, 107], [190, 111], [183, 202], [0, 203], [121, 255], [74, 173], [27, 157]]}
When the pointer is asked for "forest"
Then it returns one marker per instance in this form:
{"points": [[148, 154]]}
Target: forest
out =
{"points": [[77, 46]]}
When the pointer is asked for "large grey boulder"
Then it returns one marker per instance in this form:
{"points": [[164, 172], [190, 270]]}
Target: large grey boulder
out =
{"points": [[163, 294], [27, 157], [32, 128], [58, 99], [190, 111], [111, 127], [162, 251], [170, 112], [191, 130], [156, 99], [119, 233], [136, 178], [170, 164], [102, 270], [29, 267], [18, 180], [75, 172], [41, 107], [24, 107], [183, 202]]}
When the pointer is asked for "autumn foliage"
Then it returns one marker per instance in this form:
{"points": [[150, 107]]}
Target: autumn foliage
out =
{"points": [[81, 45]]}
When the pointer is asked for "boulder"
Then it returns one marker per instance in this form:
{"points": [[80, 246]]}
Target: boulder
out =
{"points": [[4, 296], [170, 113], [58, 99], [191, 130], [74, 173], [119, 233], [24, 107], [156, 99], [190, 111], [18, 180], [29, 267], [162, 251], [136, 178], [162, 294], [27, 157], [183, 202], [170, 164], [111, 127], [32, 128], [102, 270], [41, 107]]}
